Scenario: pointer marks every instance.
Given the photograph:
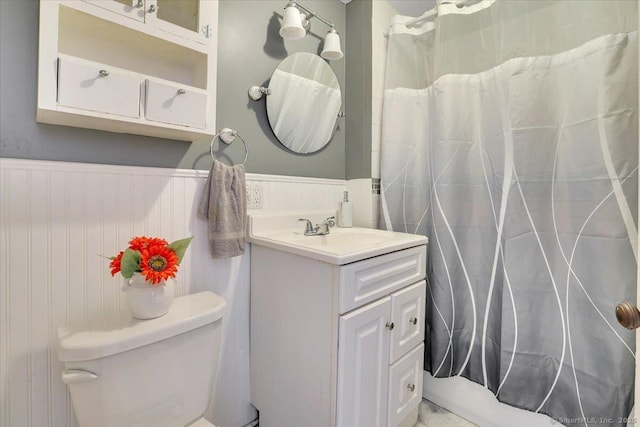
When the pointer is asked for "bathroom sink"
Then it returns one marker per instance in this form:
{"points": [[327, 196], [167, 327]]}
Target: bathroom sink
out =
{"points": [[341, 246], [346, 238]]}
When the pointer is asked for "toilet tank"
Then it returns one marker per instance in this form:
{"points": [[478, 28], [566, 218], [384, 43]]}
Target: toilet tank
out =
{"points": [[157, 372]]}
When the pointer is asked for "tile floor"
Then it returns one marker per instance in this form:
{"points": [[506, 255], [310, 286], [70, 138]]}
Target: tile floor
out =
{"points": [[432, 415], [429, 415]]}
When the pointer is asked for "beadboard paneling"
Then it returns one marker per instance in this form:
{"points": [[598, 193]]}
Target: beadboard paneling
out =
{"points": [[56, 218]]}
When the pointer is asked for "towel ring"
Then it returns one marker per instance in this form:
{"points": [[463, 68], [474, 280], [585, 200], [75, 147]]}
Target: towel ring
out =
{"points": [[227, 136]]}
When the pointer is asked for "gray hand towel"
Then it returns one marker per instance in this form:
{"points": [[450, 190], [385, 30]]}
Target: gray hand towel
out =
{"points": [[223, 203]]}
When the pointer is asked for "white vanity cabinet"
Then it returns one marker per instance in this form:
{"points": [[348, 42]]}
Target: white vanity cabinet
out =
{"points": [[145, 67], [337, 345]]}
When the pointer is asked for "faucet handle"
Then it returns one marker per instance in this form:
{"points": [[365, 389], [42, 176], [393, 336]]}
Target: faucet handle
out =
{"points": [[309, 226], [331, 221]]}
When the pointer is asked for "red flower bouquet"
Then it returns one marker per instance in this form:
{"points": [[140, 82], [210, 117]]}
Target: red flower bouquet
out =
{"points": [[152, 257]]}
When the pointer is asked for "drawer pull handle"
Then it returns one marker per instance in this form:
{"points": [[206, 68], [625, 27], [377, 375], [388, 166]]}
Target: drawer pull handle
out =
{"points": [[390, 325], [153, 8], [411, 387], [181, 91], [103, 73], [413, 320]]}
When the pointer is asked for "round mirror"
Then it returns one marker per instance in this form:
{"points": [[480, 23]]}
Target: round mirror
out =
{"points": [[304, 102]]}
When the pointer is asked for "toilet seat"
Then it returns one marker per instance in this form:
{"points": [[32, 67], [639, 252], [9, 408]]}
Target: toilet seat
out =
{"points": [[200, 423]]}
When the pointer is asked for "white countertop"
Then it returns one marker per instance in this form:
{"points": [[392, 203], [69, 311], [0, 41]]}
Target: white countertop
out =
{"points": [[283, 231]]}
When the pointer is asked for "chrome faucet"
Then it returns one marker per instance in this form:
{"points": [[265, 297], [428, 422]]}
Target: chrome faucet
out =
{"points": [[319, 229], [308, 230]]}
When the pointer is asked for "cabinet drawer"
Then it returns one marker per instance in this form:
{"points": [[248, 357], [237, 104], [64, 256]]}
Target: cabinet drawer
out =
{"points": [[407, 315], [176, 104], [405, 385], [97, 87], [365, 281]]}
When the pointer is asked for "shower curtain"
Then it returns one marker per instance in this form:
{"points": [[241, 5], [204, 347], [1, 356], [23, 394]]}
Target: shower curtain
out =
{"points": [[510, 139]]}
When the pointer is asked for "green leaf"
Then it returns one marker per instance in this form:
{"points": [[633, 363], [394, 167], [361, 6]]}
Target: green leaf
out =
{"points": [[180, 247], [130, 263]]}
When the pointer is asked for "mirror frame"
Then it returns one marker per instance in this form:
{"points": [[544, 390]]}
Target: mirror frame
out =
{"points": [[287, 111]]}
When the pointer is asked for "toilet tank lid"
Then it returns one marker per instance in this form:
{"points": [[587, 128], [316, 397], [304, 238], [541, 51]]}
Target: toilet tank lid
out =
{"points": [[117, 335]]}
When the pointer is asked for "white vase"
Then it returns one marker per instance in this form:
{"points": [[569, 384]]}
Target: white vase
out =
{"points": [[146, 300]]}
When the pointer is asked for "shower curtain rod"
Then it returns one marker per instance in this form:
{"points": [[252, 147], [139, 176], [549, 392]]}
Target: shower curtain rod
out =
{"points": [[434, 11], [428, 14]]}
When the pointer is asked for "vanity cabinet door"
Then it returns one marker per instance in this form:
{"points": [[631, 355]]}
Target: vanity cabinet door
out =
{"points": [[407, 315], [405, 385], [363, 366]]}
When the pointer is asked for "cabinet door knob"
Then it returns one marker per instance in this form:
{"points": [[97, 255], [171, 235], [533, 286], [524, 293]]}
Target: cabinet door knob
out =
{"points": [[411, 387], [139, 4], [390, 325], [413, 320], [103, 73], [153, 8]]}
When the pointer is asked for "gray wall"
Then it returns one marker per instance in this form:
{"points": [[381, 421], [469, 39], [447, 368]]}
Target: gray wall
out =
{"points": [[358, 89], [249, 50]]}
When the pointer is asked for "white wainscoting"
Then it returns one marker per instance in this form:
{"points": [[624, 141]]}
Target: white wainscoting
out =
{"points": [[56, 218]]}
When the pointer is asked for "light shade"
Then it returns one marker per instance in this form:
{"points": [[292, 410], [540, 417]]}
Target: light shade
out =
{"points": [[331, 49], [292, 28]]}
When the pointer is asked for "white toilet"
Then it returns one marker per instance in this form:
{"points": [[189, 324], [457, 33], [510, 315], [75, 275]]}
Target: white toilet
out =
{"points": [[157, 372]]}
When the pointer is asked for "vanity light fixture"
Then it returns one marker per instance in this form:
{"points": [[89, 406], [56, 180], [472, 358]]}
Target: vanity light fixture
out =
{"points": [[331, 49], [292, 24], [296, 24]]}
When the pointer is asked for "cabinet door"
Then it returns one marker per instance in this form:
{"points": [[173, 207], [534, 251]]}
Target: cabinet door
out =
{"points": [[405, 386], [407, 315], [188, 19], [133, 9], [363, 363]]}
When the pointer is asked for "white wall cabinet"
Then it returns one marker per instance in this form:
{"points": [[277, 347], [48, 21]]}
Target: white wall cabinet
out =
{"points": [[337, 345], [144, 67]]}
